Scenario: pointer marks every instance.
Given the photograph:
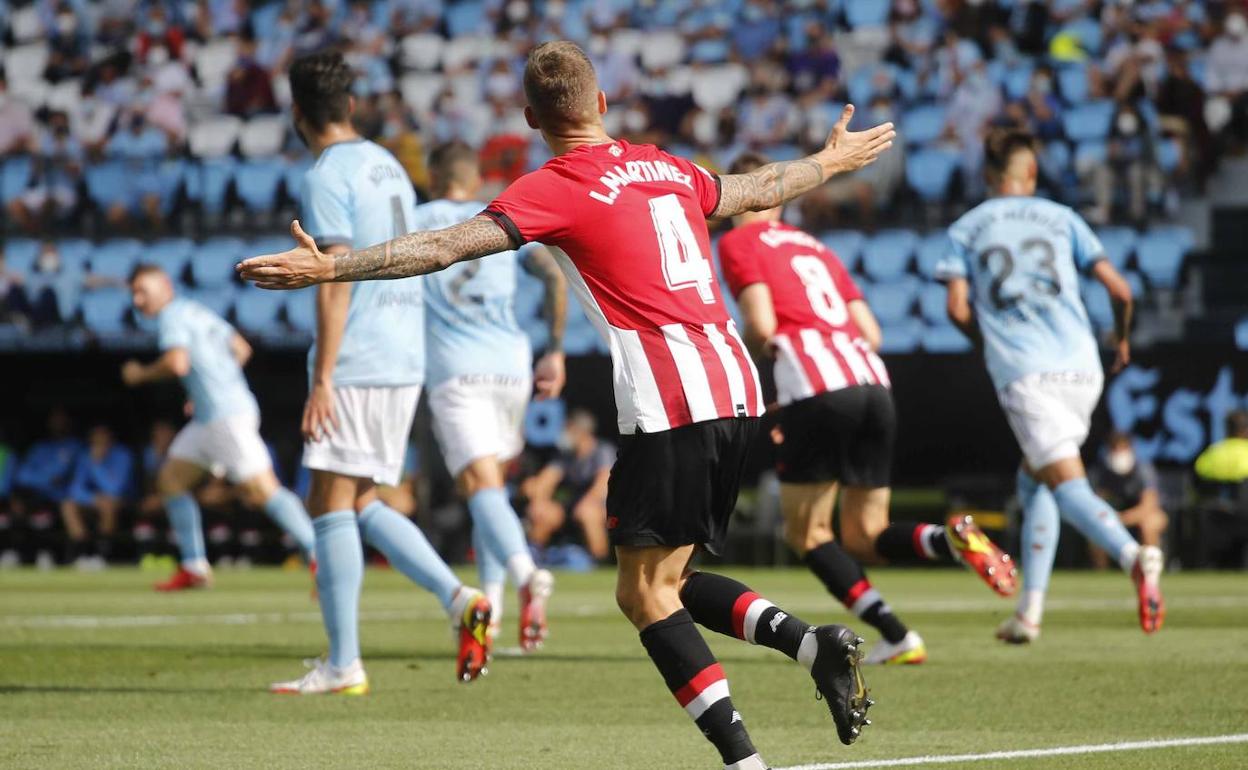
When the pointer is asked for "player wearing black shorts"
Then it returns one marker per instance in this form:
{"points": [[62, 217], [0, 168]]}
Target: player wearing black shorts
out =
{"points": [[837, 424]]}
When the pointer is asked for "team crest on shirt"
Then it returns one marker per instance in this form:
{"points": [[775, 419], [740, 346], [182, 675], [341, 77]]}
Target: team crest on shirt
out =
{"points": [[616, 150]]}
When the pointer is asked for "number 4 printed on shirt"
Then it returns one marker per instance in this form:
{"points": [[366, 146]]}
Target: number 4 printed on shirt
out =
{"points": [[684, 265]]}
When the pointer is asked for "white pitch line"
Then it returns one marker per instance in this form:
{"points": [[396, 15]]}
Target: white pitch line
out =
{"points": [[1056, 751], [935, 607]]}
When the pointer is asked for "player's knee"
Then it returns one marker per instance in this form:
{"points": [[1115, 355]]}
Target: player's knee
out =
{"points": [[169, 484]]}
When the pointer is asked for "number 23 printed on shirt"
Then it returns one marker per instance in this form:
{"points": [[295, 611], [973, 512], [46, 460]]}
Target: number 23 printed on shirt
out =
{"points": [[821, 290], [684, 265]]}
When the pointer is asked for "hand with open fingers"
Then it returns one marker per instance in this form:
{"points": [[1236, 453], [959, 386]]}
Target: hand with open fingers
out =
{"points": [[302, 266], [320, 417], [851, 150], [549, 375]]}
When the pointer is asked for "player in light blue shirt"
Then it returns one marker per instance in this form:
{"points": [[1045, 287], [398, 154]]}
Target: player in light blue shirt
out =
{"points": [[223, 438], [480, 384], [1013, 285], [366, 369]]}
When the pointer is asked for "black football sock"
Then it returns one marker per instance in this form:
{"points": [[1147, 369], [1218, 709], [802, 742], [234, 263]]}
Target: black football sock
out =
{"points": [[730, 608], [844, 578], [908, 543], [694, 676]]}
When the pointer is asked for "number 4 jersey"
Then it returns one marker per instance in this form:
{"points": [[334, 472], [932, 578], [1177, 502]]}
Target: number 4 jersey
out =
{"points": [[632, 220], [358, 195], [1022, 256], [818, 346]]}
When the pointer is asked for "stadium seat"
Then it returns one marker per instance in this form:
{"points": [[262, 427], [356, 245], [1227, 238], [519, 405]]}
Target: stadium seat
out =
{"points": [[892, 301], [421, 51], [295, 171], [922, 124], [1088, 122], [209, 182], [1160, 254], [74, 253], [1119, 243], [1055, 160], [1072, 83], [257, 310], [866, 13], [865, 81], [932, 302], [1090, 154], [14, 176], [466, 17], [886, 255], [263, 136], [419, 89], [172, 254], [1088, 31], [218, 299], [171, 175], [104, 311], [214, 137], [715, 88], [845, 244], [945, 338], [1017, 81], [929, 172], [710, 51], [1241, 334], [663, 49], [115, 258], [902, 336], [257, 182], [106, 184], [20, 254], [1136, 281], [933, 248], [25, 23], [214, 59], [1100, 309], [1169, 155], [301, 309], [268, 244], [24, 66], [212, 262]]}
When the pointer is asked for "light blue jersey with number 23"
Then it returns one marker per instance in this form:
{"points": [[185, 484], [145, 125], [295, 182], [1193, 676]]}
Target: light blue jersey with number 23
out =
{"points": [[1022, 256], [358, 195]]}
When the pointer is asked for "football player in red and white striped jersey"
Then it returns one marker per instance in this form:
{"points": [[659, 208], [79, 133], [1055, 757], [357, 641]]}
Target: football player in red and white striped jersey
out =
{"points": [[837, 423], [631, 219]]}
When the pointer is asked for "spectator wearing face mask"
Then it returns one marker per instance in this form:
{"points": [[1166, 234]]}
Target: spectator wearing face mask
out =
{"points": [[68, 44], [1129, 484], [140, 147], [1226, 77], [57, 173], [1131, 166]]}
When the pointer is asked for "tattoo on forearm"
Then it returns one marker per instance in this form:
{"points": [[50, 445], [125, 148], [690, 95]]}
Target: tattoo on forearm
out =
{"points": [[768, 186], [422, 252]]}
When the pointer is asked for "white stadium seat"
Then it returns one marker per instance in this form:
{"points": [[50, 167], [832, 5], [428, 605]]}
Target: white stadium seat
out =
{"points": [[263, 135], [419, 89], [422, 51], [214, 137]]}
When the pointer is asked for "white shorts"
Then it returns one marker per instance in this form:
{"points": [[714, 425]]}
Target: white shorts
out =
{"points": [[370, 441], [477, 416], [1050, 413], [229, 447]]}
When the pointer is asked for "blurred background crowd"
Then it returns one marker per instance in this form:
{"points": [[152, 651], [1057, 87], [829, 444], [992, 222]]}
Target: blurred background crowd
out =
{"points": [[158, 131]]}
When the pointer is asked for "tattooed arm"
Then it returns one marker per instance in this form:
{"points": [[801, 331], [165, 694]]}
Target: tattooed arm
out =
{"points": [[777, 183], [412, 254]]}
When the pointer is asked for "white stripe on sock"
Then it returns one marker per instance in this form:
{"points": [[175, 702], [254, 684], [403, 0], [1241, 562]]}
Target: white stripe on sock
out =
{"points": [[868, 598], [752, 613], [808, 649], [752, 762], [1127, 556], [714, 693]]}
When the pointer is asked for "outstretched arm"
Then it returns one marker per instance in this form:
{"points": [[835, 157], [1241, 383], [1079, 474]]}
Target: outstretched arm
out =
{"points": [[416, 253], [777, 183]]}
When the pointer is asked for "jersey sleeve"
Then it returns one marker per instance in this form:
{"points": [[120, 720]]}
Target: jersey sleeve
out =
{"points": [[532, 208], [706, 184], [325, 210], [1085, 246], [846, 286], [738, 259], [173, 332], [956, 262]]}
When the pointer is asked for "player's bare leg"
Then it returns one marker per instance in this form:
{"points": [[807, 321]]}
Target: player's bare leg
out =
{"points": [[176, 483], [807, 510]]}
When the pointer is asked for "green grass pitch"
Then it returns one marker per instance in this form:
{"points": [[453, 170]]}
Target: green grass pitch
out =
{"points": [[97, 671]]}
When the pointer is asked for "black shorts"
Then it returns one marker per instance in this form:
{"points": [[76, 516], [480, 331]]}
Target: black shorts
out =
{"points": [[678, 487], [842, 435]]}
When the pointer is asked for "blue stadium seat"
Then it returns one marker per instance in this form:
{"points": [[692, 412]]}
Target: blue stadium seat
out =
{"points": [[1100, 309], [1136, 282], [115, 258], [1088, 122], [945, 338], [1072, 83], [107, 185], [845, 244], [929, 172], [1169, 155], [301, 309], [212, 262], [171, 175], [464, 17], [1241, 333], [172, 254], [862, 83], [1088, 31], [104, 311], [709, 50], [1055, 158], [1119, 243], [1017, 81], [20, 254], [257, 310], [866, 13], [208, 183], [922, 124], [1090, 154], [74, 252], [14, 177], [293, 181], [932, 299], [934, 247], [257, 181], [1160, 254], [901, 336], [891, 301], [218, 299], [887, 254]]}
